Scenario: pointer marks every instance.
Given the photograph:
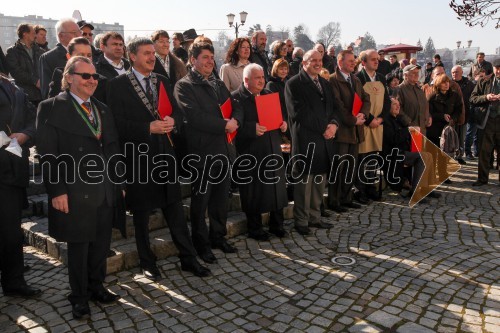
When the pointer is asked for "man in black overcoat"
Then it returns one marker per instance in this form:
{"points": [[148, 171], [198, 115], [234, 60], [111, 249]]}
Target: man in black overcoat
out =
{"points": [[17, 120], [266, 192], [146, 143], [313, 122], [200, 96], [66, 30], [84, 196]]}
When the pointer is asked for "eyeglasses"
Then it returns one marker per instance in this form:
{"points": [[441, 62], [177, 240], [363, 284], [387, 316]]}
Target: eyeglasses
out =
{"points": [[87, 34], [87, 76]]}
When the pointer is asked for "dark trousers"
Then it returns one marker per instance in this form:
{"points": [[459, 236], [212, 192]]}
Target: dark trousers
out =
{"points": [[215, 199], [87, 260], [11, 237], [488, 138], [368, 172], [254, 221], [340, 190], [174, 215]]}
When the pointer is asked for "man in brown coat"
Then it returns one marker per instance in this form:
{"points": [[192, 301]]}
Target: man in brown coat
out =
{"points": [[414, 105], [349, 134]]}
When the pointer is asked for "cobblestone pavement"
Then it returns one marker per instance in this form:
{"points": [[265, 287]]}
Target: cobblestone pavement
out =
{"points": [[433, 268]]}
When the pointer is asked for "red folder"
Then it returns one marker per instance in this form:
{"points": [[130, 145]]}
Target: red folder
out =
{"points": [[416, 141], [269, 111], [164, 105], [227, 110], [356, 105]]}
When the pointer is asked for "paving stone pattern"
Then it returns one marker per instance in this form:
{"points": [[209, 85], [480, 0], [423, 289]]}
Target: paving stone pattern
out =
{"points": [[433, 268]]}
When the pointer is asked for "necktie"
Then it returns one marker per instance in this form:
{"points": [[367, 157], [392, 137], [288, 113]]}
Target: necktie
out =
{"points": [[318, 85], [88, 110], [149, 91], [349, 80]]}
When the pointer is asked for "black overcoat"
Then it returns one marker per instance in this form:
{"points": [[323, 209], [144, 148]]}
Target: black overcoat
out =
{"points": [[309, 113], [262, 194], [61, 131], [145, 190]]}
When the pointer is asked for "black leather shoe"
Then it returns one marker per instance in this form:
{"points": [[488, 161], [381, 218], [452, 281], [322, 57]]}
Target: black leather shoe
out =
{"points": [[324, 213], [321, 225], [304, 231], [259, 235], [470, 157], [375, 196], [111, 253], [339, 209], [208, 257], [225, 247], [23, 291], [104, 297], [26, 268], [479, 183], [434, 195], [351, 205], [195, 267], [152, 273], [278, 232], [362, 199], [80, 310], [448, 181]]}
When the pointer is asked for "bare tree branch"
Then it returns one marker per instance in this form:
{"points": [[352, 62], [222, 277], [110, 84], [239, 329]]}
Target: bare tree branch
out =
{"points": [[477, 12], [330, 33]]}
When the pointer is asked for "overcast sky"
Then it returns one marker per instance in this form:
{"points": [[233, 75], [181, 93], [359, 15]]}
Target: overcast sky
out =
{"points": [[389, 21]]}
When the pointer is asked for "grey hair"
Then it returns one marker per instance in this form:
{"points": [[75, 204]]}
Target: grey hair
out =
{"points": [[134, 44], [456, 67], [97, 40], [247, 71], [298, 52], [60, 23], [70, 69]]}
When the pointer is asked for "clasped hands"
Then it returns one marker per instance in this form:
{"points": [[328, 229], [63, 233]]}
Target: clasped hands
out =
{"points": [[162, 126]]}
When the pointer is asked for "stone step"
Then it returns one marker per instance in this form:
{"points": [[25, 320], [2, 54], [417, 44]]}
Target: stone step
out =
{"points": [[36, 234]]}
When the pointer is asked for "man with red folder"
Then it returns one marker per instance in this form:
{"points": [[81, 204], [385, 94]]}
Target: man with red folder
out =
{"points": [[200, 96], [346, 89], [135, 98], [258, 137]]}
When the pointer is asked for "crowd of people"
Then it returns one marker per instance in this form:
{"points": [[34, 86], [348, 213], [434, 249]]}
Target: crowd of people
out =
{"points": [[133, 119]]}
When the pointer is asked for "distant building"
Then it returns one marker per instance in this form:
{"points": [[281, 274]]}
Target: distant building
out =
{"points": [[9, 25]]}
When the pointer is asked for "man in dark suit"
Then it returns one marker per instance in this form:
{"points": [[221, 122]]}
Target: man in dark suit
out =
{"points": [[66, 29], [313, 120], [261, 195], [167, 64], [111, 62], [486, 97], [350, 133], [200, 96], [4, 68], [17, 120], [259, 54], [134, 97], [75, 128]]}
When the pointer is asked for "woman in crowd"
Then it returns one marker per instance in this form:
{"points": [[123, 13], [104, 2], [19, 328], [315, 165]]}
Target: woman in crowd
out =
{"points": [[277, 81], [392, 83], [445, 106], [279, 51], [236, 59]]}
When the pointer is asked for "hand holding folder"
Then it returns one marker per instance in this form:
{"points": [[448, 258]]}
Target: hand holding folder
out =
{"points": [[227, 110]]}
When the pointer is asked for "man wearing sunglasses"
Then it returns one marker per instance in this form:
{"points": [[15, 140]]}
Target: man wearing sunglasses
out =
{"points": [[66, 30], [76, 128], [87, 32]]}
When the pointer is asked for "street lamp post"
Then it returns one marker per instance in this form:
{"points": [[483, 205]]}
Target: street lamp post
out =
{"points": [[230, 19]]}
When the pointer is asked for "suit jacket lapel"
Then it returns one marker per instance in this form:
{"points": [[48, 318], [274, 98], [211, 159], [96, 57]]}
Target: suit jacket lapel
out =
{"points": [[65, 116]]}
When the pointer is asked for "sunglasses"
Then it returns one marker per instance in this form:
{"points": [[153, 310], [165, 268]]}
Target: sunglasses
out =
{"points": [[87, 34], [87, 76]]}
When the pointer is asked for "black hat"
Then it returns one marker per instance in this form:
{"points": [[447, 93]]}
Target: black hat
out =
{"points": [[496, 62], [189, 35], [83, 23]]}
